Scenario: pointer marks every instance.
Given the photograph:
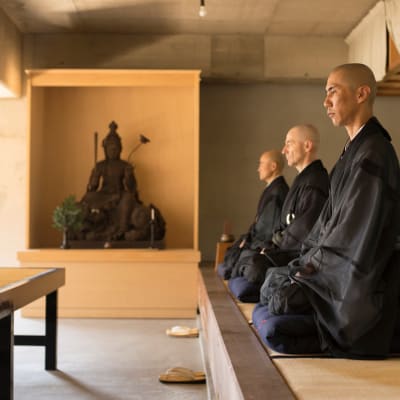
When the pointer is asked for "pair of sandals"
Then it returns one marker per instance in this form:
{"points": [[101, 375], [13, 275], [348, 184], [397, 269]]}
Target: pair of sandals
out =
{"points": [[182, 374]]}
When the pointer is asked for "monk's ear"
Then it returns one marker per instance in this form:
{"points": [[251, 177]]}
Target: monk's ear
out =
{"points": [[274, 166], [308, 145], [363, 93]]}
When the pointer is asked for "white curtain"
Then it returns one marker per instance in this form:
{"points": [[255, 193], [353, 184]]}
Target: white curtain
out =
{"points": [[392, 12], [367, 41]]}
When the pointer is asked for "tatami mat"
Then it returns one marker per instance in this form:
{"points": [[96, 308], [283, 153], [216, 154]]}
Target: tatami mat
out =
{"points": [[247, 310], [339, 379]]}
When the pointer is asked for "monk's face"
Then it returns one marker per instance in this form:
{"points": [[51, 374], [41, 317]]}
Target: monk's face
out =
{"points": [[341, 99], [266, 168], [294, 148]]}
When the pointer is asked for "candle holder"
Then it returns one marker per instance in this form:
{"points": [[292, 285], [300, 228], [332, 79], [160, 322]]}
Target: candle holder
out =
{"points": [[152, 223]]}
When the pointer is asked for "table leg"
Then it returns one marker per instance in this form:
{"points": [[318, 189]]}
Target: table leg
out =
{"points": [[6, 355], [51, 332], [49, 339]]}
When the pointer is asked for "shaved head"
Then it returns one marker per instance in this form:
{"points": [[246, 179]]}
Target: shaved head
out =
{"points": [[270, 165], [276, 156], [301, 146], [307, 132], [350, 94], [356, 75]]}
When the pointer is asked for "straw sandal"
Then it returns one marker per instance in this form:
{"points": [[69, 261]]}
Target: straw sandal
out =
{"points": [[182, 375], [183, 331]]}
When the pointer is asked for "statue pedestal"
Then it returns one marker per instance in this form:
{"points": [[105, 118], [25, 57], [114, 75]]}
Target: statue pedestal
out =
{"points": [[117, 244], [120, 283]]}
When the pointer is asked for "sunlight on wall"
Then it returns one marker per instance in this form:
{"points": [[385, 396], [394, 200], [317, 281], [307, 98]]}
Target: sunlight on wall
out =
{"points": [[13, 115], [5, 92]]}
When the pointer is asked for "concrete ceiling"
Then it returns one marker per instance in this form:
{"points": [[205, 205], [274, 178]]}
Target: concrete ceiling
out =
{"points": [[245, 17]]}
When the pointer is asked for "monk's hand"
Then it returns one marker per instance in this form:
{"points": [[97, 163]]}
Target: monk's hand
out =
{"points": [[242, 243], [306, 270]]}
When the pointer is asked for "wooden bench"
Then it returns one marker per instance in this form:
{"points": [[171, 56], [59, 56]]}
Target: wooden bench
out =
{"points": [[242, 367], [19, 287]]}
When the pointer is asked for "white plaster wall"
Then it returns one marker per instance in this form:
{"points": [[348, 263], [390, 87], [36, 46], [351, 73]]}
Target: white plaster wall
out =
{"points": [[12, 178], [10, 55]]}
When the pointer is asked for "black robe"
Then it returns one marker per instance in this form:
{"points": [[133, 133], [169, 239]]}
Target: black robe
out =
{"points": [[301, 208], [354, 290], [265, 223], [268, 214]]}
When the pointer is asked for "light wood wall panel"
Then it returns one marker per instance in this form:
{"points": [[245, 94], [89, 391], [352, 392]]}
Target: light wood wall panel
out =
{"points": [[11, 56]]}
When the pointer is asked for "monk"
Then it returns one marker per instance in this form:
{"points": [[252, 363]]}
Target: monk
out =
{"points": [[348, 273], [301, 209], [266, 220]]}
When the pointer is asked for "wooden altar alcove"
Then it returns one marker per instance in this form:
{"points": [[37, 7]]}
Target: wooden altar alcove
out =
{"points": [[65, 108]]}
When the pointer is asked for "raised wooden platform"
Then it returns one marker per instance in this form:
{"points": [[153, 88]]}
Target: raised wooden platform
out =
{"points": [[239, 366], [242, 367], [120, 283]]}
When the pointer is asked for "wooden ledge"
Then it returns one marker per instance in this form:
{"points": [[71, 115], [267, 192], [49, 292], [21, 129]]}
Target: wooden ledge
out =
{"points": [[121, 283], [110, 255], [239, 365], [112, 77]]}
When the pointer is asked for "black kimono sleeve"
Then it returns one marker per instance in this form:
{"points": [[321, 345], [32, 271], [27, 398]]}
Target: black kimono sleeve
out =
{"points": [[266, 223]]}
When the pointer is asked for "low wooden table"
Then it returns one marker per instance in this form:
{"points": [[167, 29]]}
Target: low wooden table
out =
{"points": [[19, 287]]}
